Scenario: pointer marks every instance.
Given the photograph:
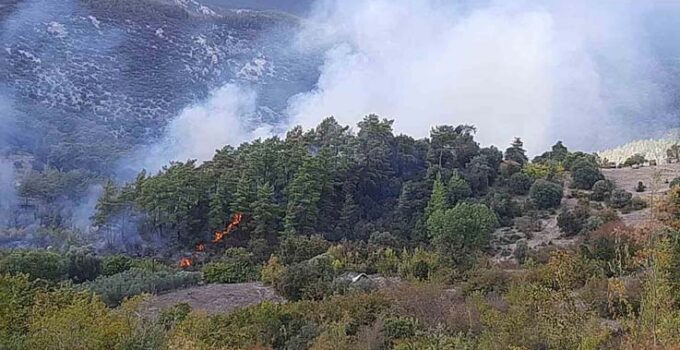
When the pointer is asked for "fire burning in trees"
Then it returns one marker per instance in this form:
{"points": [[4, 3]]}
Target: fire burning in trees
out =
{"points": [[185, 262], [219, 236], [235, 221]]}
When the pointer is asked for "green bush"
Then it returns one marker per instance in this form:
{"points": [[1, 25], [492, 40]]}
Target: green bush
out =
{"points": [[235, 267], [37, 264], [486, 281], [114, 289], [638, 203], [636, 159], [602, 190], [461, 230], [545, 194], [83, 266], [113, 264], [294, 249], [585, 177], [573, 222], [172, 316], [620, 198], [400, 328], [385, 239], [675, 182], [16, 299], [307, 280], [520, 183]]}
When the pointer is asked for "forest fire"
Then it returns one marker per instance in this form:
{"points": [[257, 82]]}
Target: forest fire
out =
{"points": [[235, 221], [185, 262], [219, 236]]}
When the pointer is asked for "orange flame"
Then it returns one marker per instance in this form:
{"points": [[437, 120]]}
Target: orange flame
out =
{"points": [[235, 221], [219, 236], [200, 247], [185, 262]]}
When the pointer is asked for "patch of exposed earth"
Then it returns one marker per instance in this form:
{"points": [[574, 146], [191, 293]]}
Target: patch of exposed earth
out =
{"points": [[656, 178], [213, 298]]}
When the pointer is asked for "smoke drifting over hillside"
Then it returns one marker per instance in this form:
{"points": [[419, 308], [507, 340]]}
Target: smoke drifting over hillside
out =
{"points": [[571, 70], [201, 129], [586, 73]]}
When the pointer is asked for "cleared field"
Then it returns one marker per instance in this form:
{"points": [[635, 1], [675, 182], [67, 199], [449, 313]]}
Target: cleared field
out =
{"points": [[213, 298], [627, 178]]}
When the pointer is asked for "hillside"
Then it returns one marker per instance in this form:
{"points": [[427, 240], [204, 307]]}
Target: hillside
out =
{"points": [[117, 71]]}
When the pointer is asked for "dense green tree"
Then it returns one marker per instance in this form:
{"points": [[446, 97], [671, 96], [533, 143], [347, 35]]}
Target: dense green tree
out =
{"points": [[461, 230], [546, 194], [265, 212], [438, 199], [584, 177], [520, 183], [458, 189], [107, 204], [516, 152], [304, 193]]}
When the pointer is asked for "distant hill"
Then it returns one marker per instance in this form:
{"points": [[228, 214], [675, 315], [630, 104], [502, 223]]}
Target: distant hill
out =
{"points": [[652, 149], [86, 80]]}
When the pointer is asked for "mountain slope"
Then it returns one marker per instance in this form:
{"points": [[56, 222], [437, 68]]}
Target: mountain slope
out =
{"points": [[89, 79]]}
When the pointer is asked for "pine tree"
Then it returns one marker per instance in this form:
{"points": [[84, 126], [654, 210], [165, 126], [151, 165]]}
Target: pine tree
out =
{"points": [[516, 152], [107, 204], [458, 189], [304, 193], [349, 214], [265, 212], [438, 199]]}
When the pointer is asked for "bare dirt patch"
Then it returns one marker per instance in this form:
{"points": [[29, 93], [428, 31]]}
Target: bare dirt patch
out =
{"points": [[213, 298], [627, 178]]}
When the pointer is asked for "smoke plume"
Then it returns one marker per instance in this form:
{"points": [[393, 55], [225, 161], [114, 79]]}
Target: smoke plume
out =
{"points": [[201, 129], [577, 71]]}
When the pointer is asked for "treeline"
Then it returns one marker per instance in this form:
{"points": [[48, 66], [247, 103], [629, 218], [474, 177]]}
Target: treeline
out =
{"points": [[333, 182]]}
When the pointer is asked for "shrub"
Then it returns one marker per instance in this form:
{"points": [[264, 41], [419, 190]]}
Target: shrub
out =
{"points": [[16, 299], [502, 204], [487, 281], [37, 264], [114, 264], [584, 177], [385, 239], [272, 271], [400, 328], [620, 198], [521, 251], [294, 249], [307, 280], [520, 183], [172, 316], [602, 190], [546, 195], [637, 203], [636, 159], [640, 187], [236, 266], [114, 289], [572, 222], [82, 266], [675, 182]]}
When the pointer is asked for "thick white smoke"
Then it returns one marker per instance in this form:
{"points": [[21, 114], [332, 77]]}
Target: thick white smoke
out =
{"points": [[202, 128], [565, 70]]}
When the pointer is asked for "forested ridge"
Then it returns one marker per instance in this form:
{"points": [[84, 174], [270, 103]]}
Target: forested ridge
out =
{"points": [[375, 241]]}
